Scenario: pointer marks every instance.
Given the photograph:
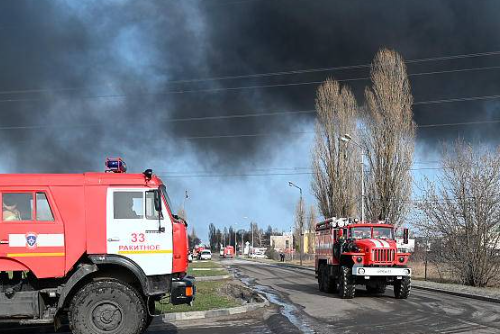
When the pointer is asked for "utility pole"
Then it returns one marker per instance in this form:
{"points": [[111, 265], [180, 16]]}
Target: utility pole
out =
{"points": [[301, 219], [251, 226], [426, 255], [347, 139], [235, 242]]}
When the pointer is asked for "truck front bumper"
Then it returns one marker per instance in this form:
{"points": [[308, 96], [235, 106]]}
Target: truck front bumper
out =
{"points": [[380, 271], [183, 291]]}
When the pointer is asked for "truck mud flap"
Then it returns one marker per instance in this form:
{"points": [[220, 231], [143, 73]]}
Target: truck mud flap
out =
{"points": [[183, 291]]}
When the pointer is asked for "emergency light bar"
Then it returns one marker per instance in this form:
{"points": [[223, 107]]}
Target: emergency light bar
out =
{"points": [[115, 165]]}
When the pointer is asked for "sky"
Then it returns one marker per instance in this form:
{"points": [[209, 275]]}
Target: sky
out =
{"points": [[191, 89]]}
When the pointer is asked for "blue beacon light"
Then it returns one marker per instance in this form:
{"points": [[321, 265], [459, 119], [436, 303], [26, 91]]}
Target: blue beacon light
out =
{"points": [[116, 165]]}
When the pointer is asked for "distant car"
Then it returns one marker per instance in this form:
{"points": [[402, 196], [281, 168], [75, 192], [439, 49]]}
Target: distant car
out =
{"points": [[258, 255], [205, 255], [190, 257]]}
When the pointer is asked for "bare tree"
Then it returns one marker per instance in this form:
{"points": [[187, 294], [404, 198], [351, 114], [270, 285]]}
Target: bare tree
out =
{"points": [[212, 237], [462, 209], [300, 217], [311, 228], [389, 136], [335, 180]]}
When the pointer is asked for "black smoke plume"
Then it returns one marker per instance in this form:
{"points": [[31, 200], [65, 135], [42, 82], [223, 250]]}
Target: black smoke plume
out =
{"points": [[80, 80]]}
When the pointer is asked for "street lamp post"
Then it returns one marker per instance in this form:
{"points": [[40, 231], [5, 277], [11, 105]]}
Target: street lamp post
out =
{"points": [[235, 241], [347, 139], [291, 184]]}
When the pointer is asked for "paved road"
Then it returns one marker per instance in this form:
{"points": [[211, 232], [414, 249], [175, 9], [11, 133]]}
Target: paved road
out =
{"points": [[314, 311], [267, 320], [300, 308]]}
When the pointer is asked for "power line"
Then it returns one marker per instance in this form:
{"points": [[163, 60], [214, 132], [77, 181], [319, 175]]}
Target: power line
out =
{"points": [[270, 169], [236, 88], [437, 125], [219, 175], [429, 126], [269, 113], [286, 170], [460, 99], [459, 124], [272, 74]]}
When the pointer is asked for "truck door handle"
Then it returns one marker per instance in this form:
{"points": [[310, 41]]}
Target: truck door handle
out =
{"points": [[4, 242], [113, 239]]}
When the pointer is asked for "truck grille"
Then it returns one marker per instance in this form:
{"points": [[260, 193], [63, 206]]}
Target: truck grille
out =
{"points": [[384, 255]]}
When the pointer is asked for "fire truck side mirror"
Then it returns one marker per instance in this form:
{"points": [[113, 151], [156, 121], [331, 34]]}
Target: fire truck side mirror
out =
{"points": [[157, 200], [405, 236]]}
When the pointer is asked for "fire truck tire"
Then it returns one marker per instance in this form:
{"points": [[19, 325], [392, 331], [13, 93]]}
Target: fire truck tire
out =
{"points": [[402, 288], [329, 283], [108, 307], [321, 282], [347, 287]]}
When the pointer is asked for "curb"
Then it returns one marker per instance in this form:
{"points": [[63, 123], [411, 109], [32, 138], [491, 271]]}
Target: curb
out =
{"points": [[179, 316], [211, 278], [455, 293], [414, 286]]}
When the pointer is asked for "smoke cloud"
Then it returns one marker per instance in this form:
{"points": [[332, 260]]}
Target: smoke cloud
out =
{"points": [[82, 80]]}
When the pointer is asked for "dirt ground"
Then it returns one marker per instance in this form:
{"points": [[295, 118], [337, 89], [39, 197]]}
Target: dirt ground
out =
{"points": [[439, 273]]}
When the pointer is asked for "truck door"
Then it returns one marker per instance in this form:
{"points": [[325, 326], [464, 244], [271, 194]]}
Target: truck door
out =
{"points": [[137, 231], [32, 232]]}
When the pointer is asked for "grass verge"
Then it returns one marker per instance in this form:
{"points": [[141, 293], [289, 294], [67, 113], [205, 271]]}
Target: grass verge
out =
{"points": [[205, 264], [209, 296], [211, 268]]}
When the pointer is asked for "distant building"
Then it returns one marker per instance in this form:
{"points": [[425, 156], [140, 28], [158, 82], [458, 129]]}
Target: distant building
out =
{"points": [[287, 242], [309, 242], [282, 243]]}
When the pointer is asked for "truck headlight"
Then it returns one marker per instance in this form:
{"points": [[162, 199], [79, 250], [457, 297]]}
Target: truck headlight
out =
{"points": [[401, 259], [361, 271]]}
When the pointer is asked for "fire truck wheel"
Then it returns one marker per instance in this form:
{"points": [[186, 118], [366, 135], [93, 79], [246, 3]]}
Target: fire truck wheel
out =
{"points": [[107, 307], [321, 282], [329, 283], [347, 288], [402, 288]]}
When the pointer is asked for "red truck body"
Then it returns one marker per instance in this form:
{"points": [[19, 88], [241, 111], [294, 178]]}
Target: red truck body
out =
{"points": [[350, 253], [228, 251], [61, 233]]}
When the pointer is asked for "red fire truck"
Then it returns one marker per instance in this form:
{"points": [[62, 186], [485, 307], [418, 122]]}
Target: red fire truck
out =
{"points": [[228, 252], [350, 253], [97, 248]]}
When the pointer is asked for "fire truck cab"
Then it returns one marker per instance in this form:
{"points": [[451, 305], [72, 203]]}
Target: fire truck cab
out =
{"points": [[349, 253], [99, 248]]}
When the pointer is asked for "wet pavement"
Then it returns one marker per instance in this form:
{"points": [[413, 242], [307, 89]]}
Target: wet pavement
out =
{"points": [[422, 312], [297, 306]]}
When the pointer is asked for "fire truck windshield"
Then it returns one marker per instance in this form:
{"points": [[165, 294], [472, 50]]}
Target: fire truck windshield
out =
{"points": [[382, 233], [361, 232], [163, 190]]}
